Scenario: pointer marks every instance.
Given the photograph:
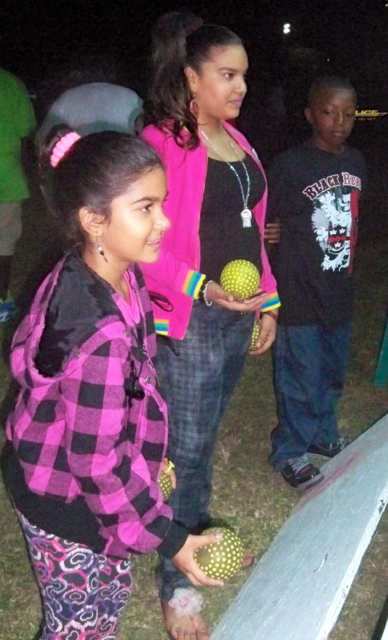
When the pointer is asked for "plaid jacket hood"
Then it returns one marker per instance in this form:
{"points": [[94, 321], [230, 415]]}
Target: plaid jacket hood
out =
{"points": [[76, 433], [79, 303]]}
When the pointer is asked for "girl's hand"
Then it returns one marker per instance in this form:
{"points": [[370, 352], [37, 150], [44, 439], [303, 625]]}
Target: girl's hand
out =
{"points": [[215, 293], [168, 468], [184, 560], [267, 333]]}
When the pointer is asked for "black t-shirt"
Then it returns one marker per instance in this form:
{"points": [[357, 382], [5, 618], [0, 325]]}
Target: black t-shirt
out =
{"points": [[222, 235], [315, 195]]}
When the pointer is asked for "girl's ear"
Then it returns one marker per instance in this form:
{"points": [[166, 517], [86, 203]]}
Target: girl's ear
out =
{"points": [[91, 222], [191, 77]]}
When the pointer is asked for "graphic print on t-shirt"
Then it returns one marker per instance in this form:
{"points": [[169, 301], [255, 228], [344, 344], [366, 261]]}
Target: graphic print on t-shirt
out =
{"points": [[334, 218]]}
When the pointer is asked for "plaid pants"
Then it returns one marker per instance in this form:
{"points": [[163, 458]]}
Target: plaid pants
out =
{"points": [[198, 375], [83, 593]]}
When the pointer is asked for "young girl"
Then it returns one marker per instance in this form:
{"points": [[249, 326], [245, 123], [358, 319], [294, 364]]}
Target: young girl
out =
{"points": [[216, 203], [88, 434]]}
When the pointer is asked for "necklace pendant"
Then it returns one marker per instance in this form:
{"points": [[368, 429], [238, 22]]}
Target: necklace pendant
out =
{"points": [[246, 216]]}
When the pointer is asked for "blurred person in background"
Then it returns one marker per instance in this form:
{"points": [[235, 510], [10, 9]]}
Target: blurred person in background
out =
{"points": [[17, 122], [89, 97]]}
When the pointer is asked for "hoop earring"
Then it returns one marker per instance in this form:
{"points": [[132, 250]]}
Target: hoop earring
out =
{"points": [[100, 249]]}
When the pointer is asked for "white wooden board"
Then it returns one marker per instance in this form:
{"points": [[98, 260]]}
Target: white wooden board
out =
{"points": [[299, 586], [385, 634]]}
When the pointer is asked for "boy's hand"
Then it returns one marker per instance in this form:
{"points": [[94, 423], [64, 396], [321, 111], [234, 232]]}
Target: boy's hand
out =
{"points": [[272, 232]]}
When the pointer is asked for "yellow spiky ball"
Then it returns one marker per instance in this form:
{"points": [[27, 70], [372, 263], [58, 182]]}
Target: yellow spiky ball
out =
{"points": [[241, 278], [255, 335], [221, 559], [165, 485]]}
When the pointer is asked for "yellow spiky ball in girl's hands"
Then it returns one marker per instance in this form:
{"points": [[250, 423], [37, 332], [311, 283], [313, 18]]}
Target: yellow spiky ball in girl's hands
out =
{"points": [[221, 559], [241, 278]]}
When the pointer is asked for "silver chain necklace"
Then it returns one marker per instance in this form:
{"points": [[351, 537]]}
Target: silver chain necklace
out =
{"points": [[246, 213]]}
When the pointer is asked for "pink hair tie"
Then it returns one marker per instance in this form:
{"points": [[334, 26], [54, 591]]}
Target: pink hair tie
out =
{"points": [[62, 147]]}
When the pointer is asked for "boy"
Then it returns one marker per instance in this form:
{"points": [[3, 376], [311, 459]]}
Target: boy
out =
{"points": [[314, 190]]}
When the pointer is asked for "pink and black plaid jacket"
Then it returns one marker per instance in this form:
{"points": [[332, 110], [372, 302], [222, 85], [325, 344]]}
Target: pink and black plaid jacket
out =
{"points": [[77, 434]]}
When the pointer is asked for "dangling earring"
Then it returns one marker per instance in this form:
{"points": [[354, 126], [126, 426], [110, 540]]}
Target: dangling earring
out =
{"points": [[193, 106], [100, 249]]}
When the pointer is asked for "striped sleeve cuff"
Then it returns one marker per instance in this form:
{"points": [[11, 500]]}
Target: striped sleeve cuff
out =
{"points": [[193, 283], [161, 326], [272, 303]]}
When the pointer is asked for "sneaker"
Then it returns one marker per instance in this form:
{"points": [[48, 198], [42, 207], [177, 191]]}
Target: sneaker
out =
{"points": [[300, 473], [7, 309], [328, 450]]}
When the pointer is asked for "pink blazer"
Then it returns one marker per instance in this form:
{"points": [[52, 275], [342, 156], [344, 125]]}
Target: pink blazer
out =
{"points": [[177, 273]]}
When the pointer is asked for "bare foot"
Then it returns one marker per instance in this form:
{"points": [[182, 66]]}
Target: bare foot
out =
{"points": [[248, 560], [184, 627]]}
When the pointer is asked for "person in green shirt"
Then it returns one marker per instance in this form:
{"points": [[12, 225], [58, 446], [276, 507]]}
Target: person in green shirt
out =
{"points": [[17, 122]]}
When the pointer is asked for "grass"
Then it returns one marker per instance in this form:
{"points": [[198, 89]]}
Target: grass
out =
{"points": [[253, 499]]}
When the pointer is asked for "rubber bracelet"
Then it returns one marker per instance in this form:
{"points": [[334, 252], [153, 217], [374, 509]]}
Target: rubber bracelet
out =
{"points": [[271, 314], [204, 294], [170, 465]]}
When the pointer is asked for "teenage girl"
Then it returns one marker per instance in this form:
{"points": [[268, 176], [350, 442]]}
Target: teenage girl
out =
{"points": [[216, 203], [87, 438]]}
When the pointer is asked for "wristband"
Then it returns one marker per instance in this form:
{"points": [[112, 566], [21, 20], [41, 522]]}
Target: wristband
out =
{"points": [[271, 314], [170, 465]]}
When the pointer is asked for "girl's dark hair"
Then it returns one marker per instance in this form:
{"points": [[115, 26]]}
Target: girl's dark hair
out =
{"points": [[179, 41], [328, 82], [95, 170]]}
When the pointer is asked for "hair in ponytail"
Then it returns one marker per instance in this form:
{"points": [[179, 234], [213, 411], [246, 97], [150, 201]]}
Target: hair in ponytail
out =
{"points": [[180, 40], [94, 171]]}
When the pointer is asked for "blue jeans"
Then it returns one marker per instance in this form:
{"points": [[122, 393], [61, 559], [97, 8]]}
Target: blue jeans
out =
{"points": [[310, 364], [198, 375]]}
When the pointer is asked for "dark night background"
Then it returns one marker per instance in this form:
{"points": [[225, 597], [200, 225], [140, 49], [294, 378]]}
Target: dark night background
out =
{"points": [[353, 35], [39, 41]]}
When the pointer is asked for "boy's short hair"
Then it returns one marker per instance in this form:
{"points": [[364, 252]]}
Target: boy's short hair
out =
{"points": [[328, 82]]}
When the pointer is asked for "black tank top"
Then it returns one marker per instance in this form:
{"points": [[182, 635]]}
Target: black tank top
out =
{"points": [[222, 235]]}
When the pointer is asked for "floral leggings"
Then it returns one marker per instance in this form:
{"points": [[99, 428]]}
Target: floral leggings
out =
{"points": [[83, 593]]}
